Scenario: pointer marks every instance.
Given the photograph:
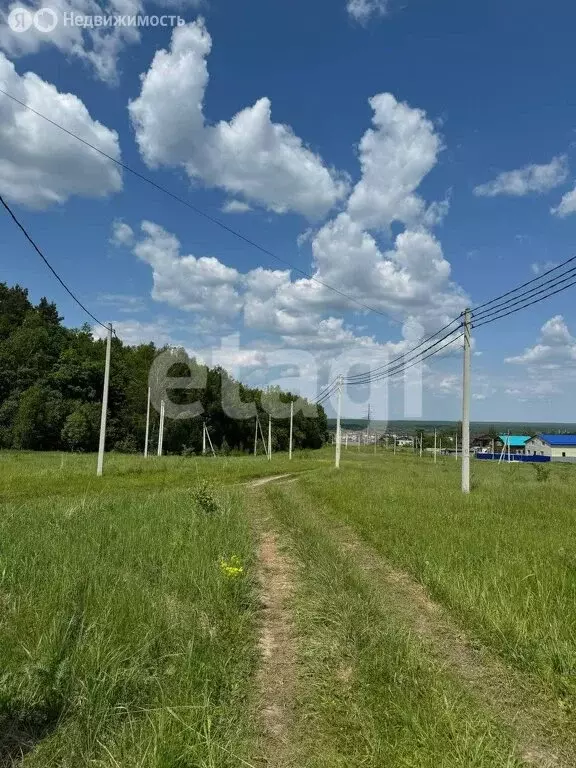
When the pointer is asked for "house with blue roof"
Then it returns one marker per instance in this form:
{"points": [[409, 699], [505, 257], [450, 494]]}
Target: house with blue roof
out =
{"points": [[557, 447], [514, 443]]}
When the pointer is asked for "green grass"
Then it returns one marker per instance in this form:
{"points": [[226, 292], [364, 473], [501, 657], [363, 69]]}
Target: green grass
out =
{"points": [[503, 560], [122, 640], [28, 475], [368, 693]]}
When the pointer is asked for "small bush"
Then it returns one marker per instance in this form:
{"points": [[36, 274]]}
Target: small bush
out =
{"points": [[128, 444], [205, 500], [542, 472]]}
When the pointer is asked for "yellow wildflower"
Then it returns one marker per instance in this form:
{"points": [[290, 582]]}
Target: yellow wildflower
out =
{"points": [[232, 568]]}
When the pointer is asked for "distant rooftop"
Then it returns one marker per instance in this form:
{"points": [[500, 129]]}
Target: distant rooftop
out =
{"points": [[514, 441], [559, 439]]}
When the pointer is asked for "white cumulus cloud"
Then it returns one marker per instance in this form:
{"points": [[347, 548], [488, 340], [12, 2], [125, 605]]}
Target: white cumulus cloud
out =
{"points": [[567, 205], [364, 10], [193, 284], [39, 164], [250, 155], [532, 179], [99, 47], [555, 346], [407, 278], [236, 206]]}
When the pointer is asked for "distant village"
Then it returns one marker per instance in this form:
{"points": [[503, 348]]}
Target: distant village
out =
{"points": [[538, 448]]}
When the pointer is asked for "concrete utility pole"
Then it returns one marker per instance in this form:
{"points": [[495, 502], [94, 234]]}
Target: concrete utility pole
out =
{"points": [[456, 446], [435, 447], [338, 417], [102, 443], [262, 436], [203, 438], [466, 404], [147, 426], [368, 426], [256, 438], [161, 429], [346, 441], [207, 435], [421, 443], [291, 429], [269, 438], [394, 445]]}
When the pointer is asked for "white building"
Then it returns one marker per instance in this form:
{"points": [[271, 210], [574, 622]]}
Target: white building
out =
{"points": [[554, 446]]}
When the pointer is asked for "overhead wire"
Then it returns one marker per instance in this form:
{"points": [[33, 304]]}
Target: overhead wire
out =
{"points": [[213, 219], [47, 263], [524, 285], [360, 378], [492, 311], [544, 288], [402, 361], [402, 368], [524, 306]]}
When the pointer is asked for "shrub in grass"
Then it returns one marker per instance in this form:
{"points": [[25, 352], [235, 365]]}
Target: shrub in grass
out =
{"points": [[542, 472], [205, 499]]}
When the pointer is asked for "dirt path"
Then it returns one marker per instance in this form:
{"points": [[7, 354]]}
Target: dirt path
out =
{"points": [[537, 722], [265, 480], [277, 641]]}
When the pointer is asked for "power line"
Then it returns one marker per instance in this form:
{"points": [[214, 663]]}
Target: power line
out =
{"points": [[200, 212], [362, 376], [326, 392], [401, 361], [544, 288], [529, 282], [50, 267], [403, 368], [529, 304]]}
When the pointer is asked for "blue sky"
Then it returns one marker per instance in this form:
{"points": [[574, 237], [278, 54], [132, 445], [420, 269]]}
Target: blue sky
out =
{"points": [[417, 156]]}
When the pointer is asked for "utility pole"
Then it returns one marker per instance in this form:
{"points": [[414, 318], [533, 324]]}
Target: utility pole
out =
{"points": [[147, 426], [435, 459], [291, 428], [421, 443], [466, 404], [262, 436], [102, 442], [346, 441], [203, 438], [256, 437], [394, 445], [161, 429], [368, 426], [338, 427], [456, 446], [207, 435], [269, 438]]}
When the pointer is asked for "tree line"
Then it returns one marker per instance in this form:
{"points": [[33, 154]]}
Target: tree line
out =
{"points": [[51, 380]]}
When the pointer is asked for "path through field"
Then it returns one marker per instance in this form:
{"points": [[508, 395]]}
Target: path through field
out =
{"points": [[327, 685], [235, 611]]}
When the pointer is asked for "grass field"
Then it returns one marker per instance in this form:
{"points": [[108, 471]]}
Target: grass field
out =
{"points": [[408, 625]]}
